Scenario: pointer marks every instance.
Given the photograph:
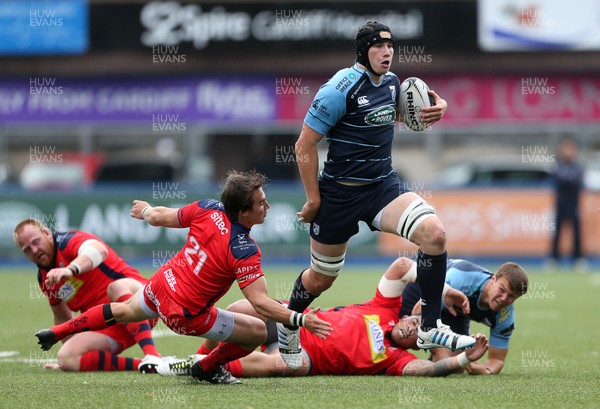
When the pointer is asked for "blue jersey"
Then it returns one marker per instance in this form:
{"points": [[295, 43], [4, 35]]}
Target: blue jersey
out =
{"points": [[357, 117], [470, 279]]}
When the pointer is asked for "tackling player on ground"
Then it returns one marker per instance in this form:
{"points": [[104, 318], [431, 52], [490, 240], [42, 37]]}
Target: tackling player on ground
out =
{"points": [[77, 271], [367, 339], [218, 252], [356, 111], [491, 302]]}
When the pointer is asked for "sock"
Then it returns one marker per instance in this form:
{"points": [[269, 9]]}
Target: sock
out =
{"points": [[225, 352], [141, 332], [104, 361], [234, 368], [94, 319], [431, 275], [203, 350], [300, 299]]}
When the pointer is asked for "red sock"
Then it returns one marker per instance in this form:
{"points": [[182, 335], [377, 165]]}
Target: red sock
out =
{"points": [[203, 350], [94, 319], [141, 332], [104, 361], [234, 367], [225, 352]]}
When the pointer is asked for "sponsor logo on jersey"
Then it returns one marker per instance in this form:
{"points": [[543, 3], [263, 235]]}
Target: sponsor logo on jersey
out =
{"points": [[247, 277], [504, 314], [316, 229], [345, 82], [363, 101], [381, 116], [170, 279], [69, 289], [217, 217], [246, 269], [316, 103], [376, 337]]}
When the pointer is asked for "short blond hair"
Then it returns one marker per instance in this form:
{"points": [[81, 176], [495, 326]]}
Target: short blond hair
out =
{"points": [[34, 222]]}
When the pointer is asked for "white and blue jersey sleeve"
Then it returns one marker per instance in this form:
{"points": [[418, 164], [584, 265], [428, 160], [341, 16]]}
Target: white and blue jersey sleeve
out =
{"points": [[329, 105]]}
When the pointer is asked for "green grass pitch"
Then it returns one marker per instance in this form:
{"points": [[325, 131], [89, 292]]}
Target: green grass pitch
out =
{"points": [[554, 359]]}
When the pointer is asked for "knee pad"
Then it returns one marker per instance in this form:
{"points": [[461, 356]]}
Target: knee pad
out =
{"points": [[412, 216], [327, 265]]}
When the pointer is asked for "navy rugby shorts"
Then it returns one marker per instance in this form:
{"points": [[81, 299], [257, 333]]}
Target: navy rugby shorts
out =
{"points": [[342, 207]]}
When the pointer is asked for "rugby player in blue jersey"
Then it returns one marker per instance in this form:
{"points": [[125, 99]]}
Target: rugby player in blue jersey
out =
{"points": [[491, 302], [356, 111]]}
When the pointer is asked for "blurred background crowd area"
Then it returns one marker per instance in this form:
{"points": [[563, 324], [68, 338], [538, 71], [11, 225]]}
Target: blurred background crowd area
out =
{"points": [[104, 100]]}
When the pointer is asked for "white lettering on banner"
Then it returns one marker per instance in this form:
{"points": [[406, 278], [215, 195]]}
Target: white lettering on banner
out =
{"points": [[494, 223], [171, 23], [234, 100], [69, 101], [114, 223], [11, 101], [143, 100]]}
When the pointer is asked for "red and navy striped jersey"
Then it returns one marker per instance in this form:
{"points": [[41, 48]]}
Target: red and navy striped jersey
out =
{"points": [[88, 289], [217, 253]]}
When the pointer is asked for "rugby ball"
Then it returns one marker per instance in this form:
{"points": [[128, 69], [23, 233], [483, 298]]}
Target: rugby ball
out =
{"points": [[414, 97]]}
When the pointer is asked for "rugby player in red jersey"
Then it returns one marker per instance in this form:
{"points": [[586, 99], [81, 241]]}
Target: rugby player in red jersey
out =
{"points": [[218, 252], [367, 339], [77, 271]]}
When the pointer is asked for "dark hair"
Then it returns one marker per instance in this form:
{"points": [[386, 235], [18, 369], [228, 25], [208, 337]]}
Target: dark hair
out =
{"points": [[237, 191], [515, 275]]}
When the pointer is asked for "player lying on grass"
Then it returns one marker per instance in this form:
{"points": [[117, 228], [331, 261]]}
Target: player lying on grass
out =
{"points": [[491, 302], [367, 339], [77, 271], [218, 252]]}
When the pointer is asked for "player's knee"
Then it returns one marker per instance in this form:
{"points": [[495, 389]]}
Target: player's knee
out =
{"points": [[412, 218], [67, 360], [436, 239], [326, 265], [259, 333], [242, 306]]}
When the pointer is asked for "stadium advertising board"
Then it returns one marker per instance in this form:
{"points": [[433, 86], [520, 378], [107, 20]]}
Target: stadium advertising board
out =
{"points": [[272, 27], [478, 100], [504, 222], [43, 27], [129, 99], [541, 25], [477, 222], [472, 100]]}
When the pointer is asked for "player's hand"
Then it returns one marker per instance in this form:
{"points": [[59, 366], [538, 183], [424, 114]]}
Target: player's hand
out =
{"points": [[458, 299], [477, 350], [138, 207], [308, 212], [434, 113], [56, 275], [317, 326]]}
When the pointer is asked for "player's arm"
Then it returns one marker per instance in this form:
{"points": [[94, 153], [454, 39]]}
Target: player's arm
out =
{"points": [[446, 366], [307, 158], [90, 254], [493, 365], [256, 293], [155, 215]]}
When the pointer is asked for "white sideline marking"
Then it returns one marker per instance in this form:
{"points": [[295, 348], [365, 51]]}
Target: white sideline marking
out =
{"points": [[5, 354]]}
